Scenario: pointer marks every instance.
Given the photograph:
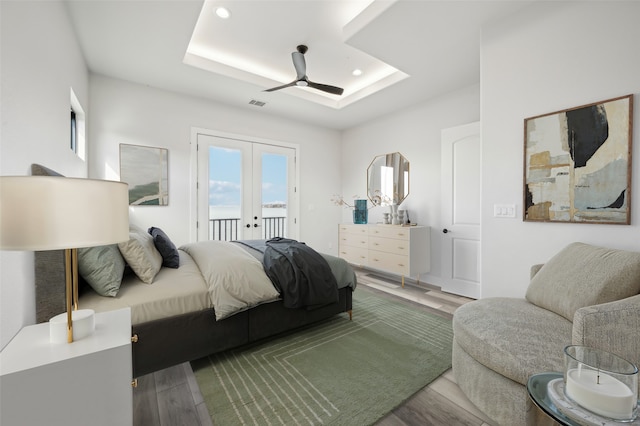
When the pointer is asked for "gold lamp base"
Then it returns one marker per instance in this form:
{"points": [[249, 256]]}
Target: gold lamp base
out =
{"points": [[83, 321], [61, 327]]}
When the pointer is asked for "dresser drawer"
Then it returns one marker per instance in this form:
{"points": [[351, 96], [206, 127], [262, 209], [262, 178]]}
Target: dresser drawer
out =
{"points": [[355, 255], [354, 240], [389, 245], [354, 229], [396, 232], [393, 263], [400, 250]]}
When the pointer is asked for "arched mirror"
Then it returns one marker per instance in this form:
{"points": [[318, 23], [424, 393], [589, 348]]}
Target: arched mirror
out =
{"points": [[388, 179]]}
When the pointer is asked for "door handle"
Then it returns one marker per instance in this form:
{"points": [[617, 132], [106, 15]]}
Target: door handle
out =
{"points": [[445, 230], [255, 225], [248, 226]]}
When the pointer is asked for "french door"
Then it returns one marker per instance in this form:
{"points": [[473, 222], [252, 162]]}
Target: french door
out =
{"points": [[246, 190]]}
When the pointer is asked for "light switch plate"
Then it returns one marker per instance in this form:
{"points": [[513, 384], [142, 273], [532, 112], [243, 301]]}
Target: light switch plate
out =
{"points": [[504, 210]]}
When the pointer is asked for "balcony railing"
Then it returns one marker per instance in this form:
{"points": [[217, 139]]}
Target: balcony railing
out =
{"points": [[228, 229]]}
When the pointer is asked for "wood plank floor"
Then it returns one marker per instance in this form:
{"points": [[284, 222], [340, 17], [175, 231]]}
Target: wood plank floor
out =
{"points": [[171, 397]]}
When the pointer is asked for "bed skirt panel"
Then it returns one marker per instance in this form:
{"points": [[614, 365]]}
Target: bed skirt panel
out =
{"points": [[170, 341], [272, 318]]}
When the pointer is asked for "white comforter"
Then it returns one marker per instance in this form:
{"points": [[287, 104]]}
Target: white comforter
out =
{"points": [[236, 280]]}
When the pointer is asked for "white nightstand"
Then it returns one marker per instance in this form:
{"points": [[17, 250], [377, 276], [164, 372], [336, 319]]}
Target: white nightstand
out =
{"points": [[87, 382]]}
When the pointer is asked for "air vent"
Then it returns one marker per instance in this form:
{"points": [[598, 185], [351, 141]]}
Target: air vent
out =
{"points": [[257, 103]]}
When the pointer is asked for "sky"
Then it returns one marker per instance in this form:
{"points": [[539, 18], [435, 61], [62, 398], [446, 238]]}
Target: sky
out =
{"points": [[225, 176]]}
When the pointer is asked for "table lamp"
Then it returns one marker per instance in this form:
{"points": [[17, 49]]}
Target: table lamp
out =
{"points": [[52, 213]]}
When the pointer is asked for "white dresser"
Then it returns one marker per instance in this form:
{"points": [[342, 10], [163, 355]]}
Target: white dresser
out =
{"points": [[87, 382], [400, 250]]}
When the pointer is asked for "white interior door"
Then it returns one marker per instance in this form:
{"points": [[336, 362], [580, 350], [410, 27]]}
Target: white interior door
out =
{"points": [[461, 167], [245, 189]]}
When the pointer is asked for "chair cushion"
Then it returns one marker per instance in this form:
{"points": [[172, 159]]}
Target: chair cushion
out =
{"points": [[511, 336], [582, 275]]}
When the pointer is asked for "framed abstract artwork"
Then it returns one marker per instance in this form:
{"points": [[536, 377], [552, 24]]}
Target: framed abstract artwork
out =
{"points": [[146, 171], [577, 164]]}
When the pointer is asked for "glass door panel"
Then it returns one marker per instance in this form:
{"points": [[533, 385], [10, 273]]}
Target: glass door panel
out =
{"points": [[225, 193], [274, 195], [245, 190]]}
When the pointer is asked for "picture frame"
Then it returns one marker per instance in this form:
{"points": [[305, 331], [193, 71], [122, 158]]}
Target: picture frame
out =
{"points": [[577, 164], [146, 170]]}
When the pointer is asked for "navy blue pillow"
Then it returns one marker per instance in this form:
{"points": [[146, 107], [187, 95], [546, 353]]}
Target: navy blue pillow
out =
{"points": [[168, 251]]}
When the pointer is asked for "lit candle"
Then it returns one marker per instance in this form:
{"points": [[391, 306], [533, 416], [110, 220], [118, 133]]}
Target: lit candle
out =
{"points": [[601, 393]]}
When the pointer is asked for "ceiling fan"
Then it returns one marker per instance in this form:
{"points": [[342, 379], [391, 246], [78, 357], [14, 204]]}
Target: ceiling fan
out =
{"points": [[301, 77]]}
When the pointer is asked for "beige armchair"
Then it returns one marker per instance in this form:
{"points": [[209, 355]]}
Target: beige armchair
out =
{"points": [[584, 295]]}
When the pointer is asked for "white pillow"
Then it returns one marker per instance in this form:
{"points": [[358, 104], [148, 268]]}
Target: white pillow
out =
{"points": [[141, 254]]}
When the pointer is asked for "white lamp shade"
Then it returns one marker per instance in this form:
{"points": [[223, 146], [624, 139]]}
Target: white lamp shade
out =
{"points": [[51, 213]]}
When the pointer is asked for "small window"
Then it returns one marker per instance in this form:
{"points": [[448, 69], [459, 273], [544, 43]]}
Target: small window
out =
{"points": [[74, 132], [77, 131]]}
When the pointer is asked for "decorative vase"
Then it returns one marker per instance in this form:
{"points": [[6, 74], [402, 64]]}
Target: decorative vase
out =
{"points": [[385, 219], [601, 382], [394, 214], [360, 212]]}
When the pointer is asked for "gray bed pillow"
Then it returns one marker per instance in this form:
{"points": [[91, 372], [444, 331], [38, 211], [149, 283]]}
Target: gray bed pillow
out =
{"points": [[141, 254], [584, 275], [102, 268]]}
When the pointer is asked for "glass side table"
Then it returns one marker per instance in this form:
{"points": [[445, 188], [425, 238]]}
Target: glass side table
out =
{"points": [[542, 410]]}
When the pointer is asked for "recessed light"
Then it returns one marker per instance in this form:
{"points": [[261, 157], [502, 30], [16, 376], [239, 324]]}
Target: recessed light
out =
{"points": [[223, 12], [357, 72]]}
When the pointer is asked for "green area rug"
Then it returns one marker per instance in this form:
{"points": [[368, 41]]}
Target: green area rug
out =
{"points": [[340, 372]]}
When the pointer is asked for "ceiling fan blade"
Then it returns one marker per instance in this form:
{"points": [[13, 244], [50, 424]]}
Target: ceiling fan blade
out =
{"points": [[301, 75], [293, 83], [326, 88], [300, 64]]}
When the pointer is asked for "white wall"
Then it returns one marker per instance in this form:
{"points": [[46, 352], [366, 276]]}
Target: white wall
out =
{"points": [[129, 113], [414, 132], [40, 62], [549, 57]]}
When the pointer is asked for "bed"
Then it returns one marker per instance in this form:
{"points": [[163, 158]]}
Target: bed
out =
{"points": [[204, 297]]}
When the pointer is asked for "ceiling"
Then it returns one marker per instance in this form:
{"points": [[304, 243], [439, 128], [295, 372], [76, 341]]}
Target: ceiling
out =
{"points": [[409, 51]]}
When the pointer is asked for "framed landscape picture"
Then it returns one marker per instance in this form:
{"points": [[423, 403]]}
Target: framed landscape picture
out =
{"points": [[146, 170], [577, 164]]}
